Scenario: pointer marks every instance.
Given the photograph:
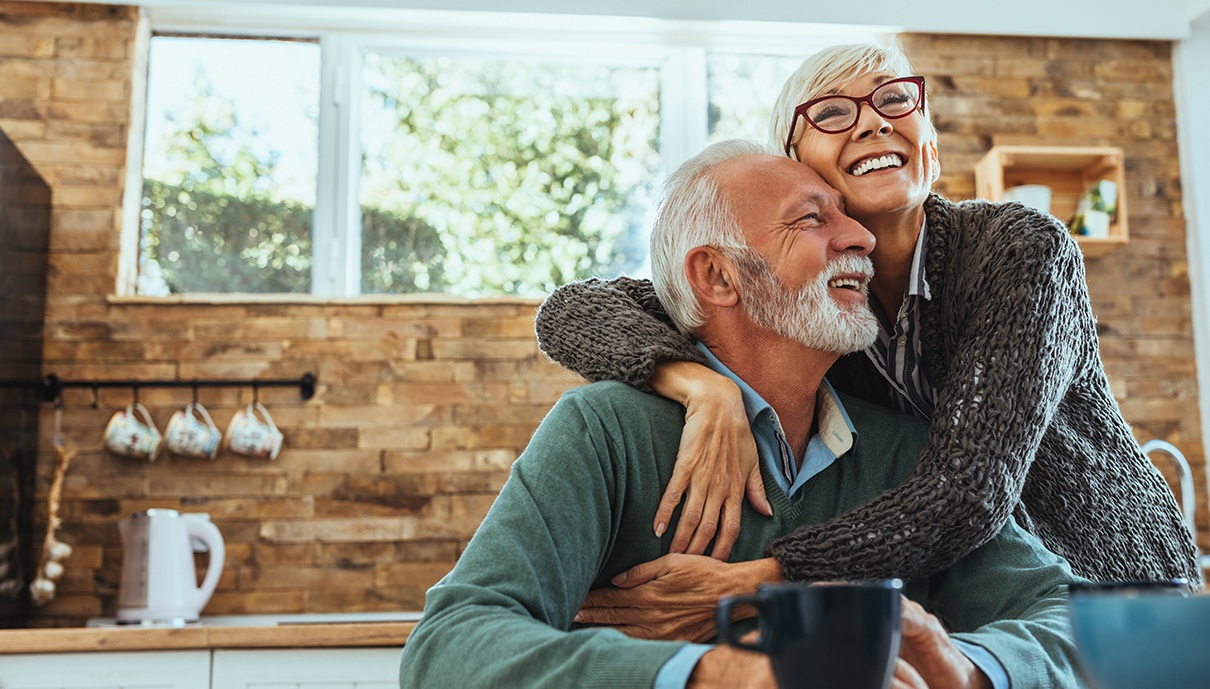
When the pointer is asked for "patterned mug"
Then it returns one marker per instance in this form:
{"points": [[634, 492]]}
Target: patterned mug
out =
{"points": [[128, 435], [192, 433], [252, 436]]}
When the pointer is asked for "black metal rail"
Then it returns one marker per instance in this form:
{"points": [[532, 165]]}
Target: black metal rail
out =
{"points": [[51, 386]]}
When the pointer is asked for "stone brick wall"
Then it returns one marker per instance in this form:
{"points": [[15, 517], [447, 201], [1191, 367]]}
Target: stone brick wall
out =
{"points": [[422, 406]]}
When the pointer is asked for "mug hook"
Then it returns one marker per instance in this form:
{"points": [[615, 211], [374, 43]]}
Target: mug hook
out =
{"points": [[195, 392], [255, 393], [96, 394], [134, 386]]}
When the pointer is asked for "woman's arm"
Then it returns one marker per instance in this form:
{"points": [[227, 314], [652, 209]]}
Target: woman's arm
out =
{"points": [[610, 330], [1027, 327], [716, 463], [617, 330]]}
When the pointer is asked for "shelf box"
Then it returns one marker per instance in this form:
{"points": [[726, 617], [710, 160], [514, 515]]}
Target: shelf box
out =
{"points": [[1069, 171]]}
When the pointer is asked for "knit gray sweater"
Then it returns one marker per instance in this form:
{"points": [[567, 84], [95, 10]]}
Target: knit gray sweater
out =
{"points": [[1024, 424]]}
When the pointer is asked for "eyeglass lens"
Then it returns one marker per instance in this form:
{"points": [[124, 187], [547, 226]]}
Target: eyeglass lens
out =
{"points": [[839, 113]]}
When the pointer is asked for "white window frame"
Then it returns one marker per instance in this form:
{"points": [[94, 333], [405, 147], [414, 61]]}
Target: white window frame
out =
{"points": [[679, 48]]}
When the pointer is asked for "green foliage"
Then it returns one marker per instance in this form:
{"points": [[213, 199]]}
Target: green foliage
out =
{"points": [[528, 175], [214, 225], [479, 178], [213, 242]]}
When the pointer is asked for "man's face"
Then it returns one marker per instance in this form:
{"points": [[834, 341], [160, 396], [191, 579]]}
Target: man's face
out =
{"points": [[806, 276], [808, 316]]}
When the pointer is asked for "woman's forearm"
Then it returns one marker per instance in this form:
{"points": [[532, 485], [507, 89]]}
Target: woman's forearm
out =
{"points": [[610, 330]]}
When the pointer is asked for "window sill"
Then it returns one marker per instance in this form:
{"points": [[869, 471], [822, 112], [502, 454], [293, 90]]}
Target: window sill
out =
{"points": [[219, 299]]}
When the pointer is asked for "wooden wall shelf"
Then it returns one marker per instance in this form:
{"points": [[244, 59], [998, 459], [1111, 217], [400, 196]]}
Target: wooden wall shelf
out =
{"points": [[1069, 171]]}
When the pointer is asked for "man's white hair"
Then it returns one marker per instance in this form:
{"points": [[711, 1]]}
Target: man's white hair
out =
{"points": [[827, 72], [693, 212]]}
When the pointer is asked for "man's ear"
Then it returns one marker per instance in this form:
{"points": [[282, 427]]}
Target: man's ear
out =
{"points": [[712, 276]]}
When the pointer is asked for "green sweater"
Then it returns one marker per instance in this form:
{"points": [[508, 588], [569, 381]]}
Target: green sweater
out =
{"points": [[577, 510]]}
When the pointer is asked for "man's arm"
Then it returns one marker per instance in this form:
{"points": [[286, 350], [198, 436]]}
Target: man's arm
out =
{"points": [[500, 618], [1010, 597]]}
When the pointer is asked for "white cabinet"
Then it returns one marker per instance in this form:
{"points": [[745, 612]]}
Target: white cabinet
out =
{"points": [[314, 668], [107, 670], [308, 668]]}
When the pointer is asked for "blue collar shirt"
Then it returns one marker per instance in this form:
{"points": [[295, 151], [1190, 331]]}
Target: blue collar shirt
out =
{"points": [[834, 437]]}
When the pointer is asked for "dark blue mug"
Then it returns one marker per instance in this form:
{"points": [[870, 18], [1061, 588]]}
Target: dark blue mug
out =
{"points": [[823, 636]]}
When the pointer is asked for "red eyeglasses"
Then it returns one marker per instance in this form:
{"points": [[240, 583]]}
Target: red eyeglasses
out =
{"points": [[837, 114]]}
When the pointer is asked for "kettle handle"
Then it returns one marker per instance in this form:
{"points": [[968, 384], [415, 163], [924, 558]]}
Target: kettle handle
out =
{"points": [[209, 534]]}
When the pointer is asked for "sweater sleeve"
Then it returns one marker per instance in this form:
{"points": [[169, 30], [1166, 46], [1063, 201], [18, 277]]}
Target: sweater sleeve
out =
{"points": [[610, 330], [1009, 597], [1026, 326], [502, 618]]}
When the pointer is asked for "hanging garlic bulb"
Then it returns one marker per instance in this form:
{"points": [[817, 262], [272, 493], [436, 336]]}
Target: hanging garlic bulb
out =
{"points": [[42, 590], [58, 551], [52, 570]]}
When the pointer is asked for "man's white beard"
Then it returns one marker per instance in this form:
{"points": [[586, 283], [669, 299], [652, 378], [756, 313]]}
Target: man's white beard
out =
{"points": [[810, 317]]}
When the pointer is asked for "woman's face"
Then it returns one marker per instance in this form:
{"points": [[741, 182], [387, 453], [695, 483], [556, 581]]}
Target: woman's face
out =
{"points": [[903, 151]]}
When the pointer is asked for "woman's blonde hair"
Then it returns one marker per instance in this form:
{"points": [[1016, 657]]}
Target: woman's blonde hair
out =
{"points": [[826, 72]]}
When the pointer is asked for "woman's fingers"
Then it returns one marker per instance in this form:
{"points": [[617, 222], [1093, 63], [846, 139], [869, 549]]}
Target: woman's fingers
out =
{"points": [[671, 498], [755, 488]]}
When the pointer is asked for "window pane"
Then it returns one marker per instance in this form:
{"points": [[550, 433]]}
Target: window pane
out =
{"points": [[229, 167], [742, 89], [488, 176]]}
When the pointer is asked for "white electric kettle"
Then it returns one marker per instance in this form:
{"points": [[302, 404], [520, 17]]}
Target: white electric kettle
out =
{"points": [[159, 581]]}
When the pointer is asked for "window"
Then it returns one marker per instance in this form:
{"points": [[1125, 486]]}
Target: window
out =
{"points": [[230, 166], [482, 177], [493, 157]]}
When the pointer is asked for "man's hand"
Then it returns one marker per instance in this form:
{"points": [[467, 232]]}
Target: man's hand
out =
{"points": [[726, 667], [673, 597], [906, 677], [932, 656], [716, 463]]}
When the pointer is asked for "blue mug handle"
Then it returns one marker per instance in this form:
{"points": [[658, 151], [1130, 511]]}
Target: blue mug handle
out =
{"points": [[766, 641]]}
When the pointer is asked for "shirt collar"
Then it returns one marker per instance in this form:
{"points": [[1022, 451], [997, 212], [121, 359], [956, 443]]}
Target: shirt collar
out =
{"points": [[918, 284], [833, 425]]}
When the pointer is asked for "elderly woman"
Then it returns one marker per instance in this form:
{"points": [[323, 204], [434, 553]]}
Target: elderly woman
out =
{"points": [[986, 331]]}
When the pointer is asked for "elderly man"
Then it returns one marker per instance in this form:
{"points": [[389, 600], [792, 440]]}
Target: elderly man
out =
{"points": [[753, 255]]}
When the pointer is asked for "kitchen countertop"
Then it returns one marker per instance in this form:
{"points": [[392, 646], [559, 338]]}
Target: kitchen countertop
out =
{"points": [[286, 631]]}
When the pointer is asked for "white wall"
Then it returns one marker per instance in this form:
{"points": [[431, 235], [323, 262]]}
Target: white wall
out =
{"points": [[1192, 90], [1160, 19]]}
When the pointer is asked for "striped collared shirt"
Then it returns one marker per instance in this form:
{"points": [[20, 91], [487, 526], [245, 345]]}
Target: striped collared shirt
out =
{"points": [[896, 352]]}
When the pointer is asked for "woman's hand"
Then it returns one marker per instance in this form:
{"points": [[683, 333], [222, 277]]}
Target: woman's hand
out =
{"points": [[715, 465], [929, 651], [673, 597]]}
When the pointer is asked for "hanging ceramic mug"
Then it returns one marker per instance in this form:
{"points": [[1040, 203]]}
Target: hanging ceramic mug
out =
{"points": [[192, 433], [132, 433], [252, 435]]}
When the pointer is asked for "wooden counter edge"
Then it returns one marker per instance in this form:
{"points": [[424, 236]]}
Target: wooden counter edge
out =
{"points": [[91, 639], [312, 635]]}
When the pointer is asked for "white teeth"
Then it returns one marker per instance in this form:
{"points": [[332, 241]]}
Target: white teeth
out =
{"points": [[888, 160], [845, 282]]}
